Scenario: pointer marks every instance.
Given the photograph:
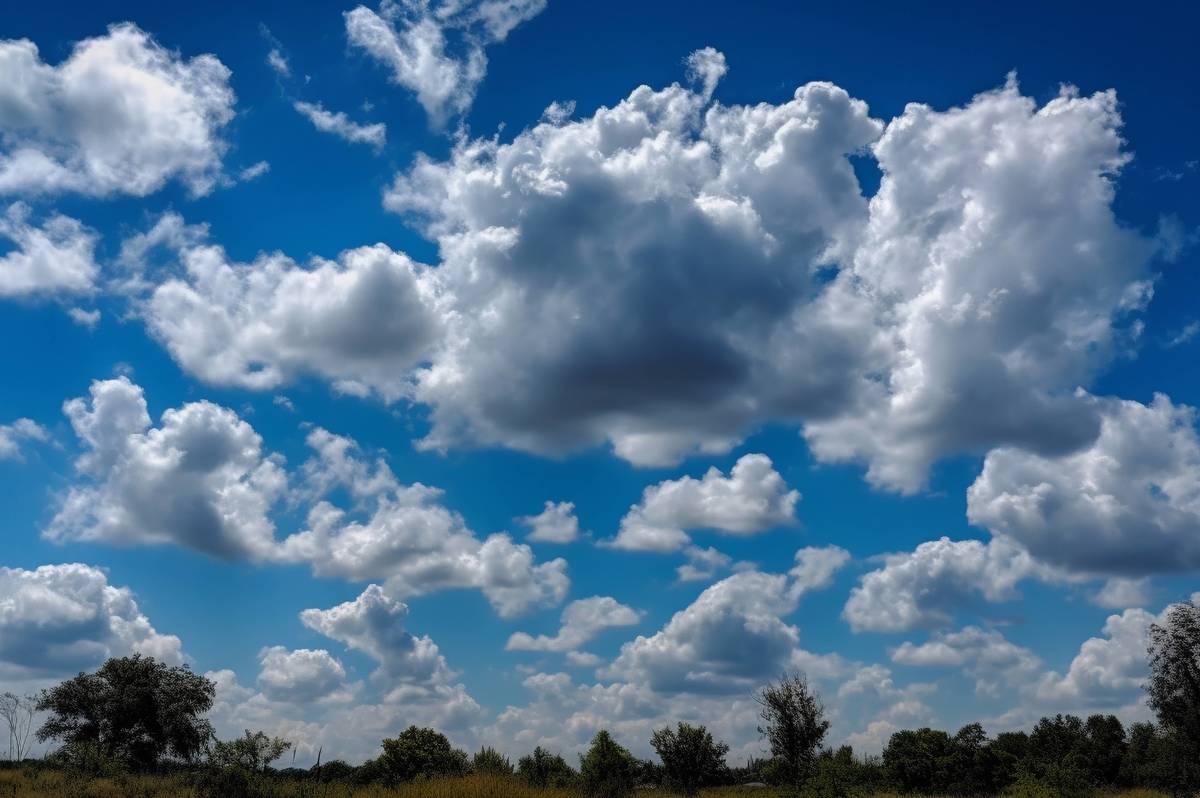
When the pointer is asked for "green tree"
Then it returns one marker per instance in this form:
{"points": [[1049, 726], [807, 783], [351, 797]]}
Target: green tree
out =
{"points": [[133, 710], [691, 758], [919, 761], [793, 721], [544, 769], [1174, 689], [1104, 750], [1058, 755], [607, 770], [420, 752], [489, 760], [252, 751]]}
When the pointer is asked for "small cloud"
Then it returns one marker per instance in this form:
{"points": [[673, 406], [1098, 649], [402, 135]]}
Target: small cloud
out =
{"points": [[341, 126], [1183, 336], [282, 401], [84, 318], [254, 171]]}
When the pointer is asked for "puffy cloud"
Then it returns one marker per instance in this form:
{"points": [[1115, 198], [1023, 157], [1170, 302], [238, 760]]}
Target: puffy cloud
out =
{"points": [[621, 232], [729, 640], [1001, 275], [582, 620], [984, 654], [752, 498], [342, 126], [412, 541], [411, 669], [121, 115], [1108, 671], [556, 523], [56, 258], [1126, 505], [436, 50], [57, 620], [13, 436], [300, 676], [926, 586], [200, 479], [702, 563], [360, 321]]}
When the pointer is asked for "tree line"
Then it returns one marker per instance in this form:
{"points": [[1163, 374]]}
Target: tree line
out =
{"points": [[137, 714]]}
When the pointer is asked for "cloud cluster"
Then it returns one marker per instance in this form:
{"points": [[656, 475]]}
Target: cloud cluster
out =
{"points": [[199, 479], [1127, 505], [121, 115], [983, 654], [754, 497], [361, 321], [301, 676], [411, 540], [436, 49], [927, 586], [733, 636], [57, 620], [58, 257]]}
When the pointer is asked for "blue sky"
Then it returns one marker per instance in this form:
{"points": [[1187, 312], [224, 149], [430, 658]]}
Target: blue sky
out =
{"points": [[264, 275]]}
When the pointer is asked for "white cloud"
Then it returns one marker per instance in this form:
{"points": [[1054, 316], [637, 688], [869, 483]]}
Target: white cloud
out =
{"points": [[254, 171], [556, 523], [411, 540], [411, 669], [753, 498], [200, 479], [1126, 505], [436, 50], [702, 564], [361, 321], [13, 436], [279, 63], [983, 654], [301, 676], [926, 586], [731, 639], [59, 257], [1117, 593], [342, 126], [999, 276], [120, 115], [84, 318], [57, 620], [582, 620]]}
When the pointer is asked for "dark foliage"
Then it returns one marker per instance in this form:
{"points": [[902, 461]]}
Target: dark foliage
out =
{"points": [[421, 753], [607, 770], [691, 759], [544, 769], [133, 711], [794, 724]]}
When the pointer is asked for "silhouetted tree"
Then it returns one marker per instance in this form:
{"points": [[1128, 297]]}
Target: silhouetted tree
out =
{"points": [[1058, 754], [793, 721], [1104, 750], [418, 751], [489, 760], [691, 759], [607, 770], [133, 710], [544, 769]]}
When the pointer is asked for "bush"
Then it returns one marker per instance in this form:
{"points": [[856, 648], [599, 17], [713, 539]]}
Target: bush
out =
{"points": [[607, 770]]}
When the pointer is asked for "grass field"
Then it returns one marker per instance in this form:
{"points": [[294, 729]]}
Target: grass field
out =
{"points": [[50, 784], [44, 784]]}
